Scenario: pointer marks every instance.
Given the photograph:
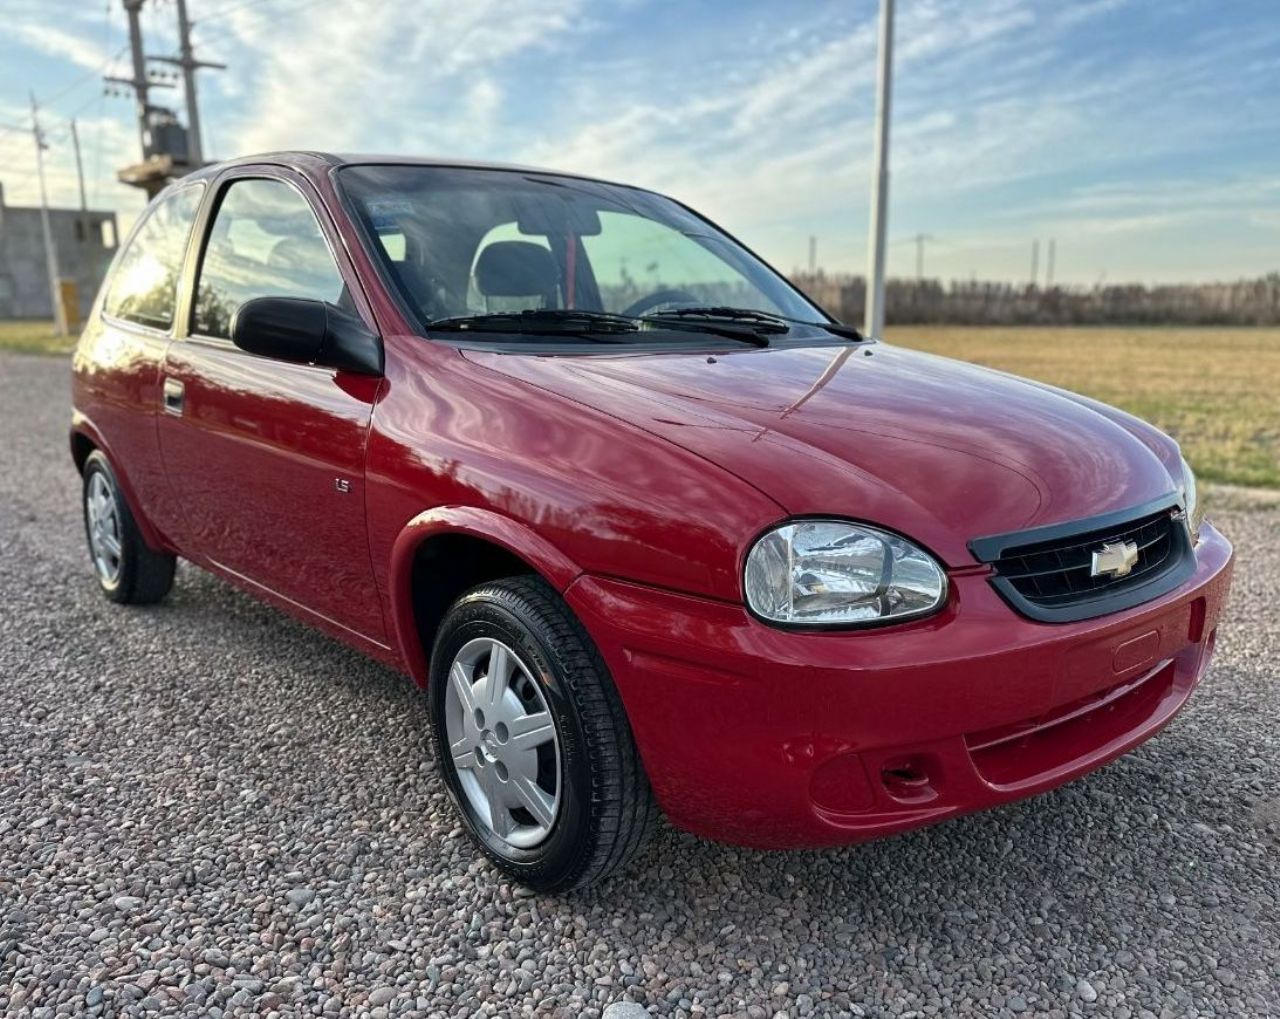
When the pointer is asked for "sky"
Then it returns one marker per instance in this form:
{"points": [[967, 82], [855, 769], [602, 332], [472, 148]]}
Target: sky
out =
{"points": [[1142, 136]]}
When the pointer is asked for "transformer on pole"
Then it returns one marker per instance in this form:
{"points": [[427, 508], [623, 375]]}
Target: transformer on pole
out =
{"points": [[169, 150]]}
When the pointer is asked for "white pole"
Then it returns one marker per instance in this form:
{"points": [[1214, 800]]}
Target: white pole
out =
{"points": [[50, 250], [75, 141], [874, 323]]}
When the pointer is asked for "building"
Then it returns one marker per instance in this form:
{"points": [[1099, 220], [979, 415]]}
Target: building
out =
{"points": [[85, 240]]}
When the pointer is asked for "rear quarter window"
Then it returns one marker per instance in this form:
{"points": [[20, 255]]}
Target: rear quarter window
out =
{"points": [[144, 283]]}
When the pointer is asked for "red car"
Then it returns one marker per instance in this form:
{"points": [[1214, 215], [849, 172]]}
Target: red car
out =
{"points": [[651, 528]]}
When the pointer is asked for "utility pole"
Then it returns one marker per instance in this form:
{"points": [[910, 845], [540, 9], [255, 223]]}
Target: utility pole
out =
{"points": [[50, 249], [813, 254], [168, 150], [139, 83], [874, 321], [1035, 260], [1048, 274], [75, 142], [187, 61], [920, 239]]}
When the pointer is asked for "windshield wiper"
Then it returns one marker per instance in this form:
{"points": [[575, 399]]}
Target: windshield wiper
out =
{"points": [[740, 331], [769, 321], [839, 329], [593, 325], [558, 321], [759, 321]]}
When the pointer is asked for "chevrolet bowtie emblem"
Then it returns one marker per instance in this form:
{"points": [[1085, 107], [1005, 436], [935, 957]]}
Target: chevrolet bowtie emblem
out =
{"points": [[1114, 559]]}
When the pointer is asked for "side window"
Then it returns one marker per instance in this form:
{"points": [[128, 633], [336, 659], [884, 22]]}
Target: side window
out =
{"points": [[264, 242], [144, 283]]}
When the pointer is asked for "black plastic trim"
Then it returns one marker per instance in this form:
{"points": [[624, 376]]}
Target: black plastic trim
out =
{"points": [[1181, 567], [995, 546]]}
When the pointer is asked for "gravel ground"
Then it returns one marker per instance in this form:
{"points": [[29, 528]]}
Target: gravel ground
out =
{"points": [[207, 808]]}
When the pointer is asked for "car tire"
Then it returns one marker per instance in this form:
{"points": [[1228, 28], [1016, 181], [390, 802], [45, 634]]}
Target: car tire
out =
{"points": [[128, 572], [603, 808]]}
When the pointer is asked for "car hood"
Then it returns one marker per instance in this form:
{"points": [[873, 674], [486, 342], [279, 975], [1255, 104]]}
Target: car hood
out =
{"points": [[939, 450]]}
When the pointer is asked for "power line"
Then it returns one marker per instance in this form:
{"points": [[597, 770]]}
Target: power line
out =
{"points": [[89, 74], [265, 17], [25, 123], [231, 9]]}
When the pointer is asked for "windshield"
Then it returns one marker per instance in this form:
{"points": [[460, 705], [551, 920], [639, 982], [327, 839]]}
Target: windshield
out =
{"points": [[468, 242]]}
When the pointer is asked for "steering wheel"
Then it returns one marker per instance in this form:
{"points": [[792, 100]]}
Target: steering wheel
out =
{"points": [[659, 298]]}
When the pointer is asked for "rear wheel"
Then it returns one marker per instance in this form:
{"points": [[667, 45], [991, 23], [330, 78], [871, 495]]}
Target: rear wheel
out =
{"points": [[532, 738], [128, 571]]}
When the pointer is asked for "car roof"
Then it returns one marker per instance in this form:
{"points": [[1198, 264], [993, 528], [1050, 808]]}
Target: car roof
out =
{"points": [[321, 162]]}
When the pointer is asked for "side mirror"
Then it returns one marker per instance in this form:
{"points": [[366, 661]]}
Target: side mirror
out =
{"points": [[306, 332]]}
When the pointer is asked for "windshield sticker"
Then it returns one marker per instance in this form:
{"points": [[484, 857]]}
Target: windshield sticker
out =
{"points": [[388, 212]]}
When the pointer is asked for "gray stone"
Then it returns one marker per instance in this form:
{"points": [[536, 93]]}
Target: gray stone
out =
{"points": [[625, 1010]]}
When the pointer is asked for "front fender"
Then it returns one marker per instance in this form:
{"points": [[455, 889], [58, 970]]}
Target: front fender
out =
{"points": [[511, 535]]}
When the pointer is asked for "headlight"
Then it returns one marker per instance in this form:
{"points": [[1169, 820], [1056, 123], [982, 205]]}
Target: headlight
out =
{"points": [[836, 573], [1191, 500]]}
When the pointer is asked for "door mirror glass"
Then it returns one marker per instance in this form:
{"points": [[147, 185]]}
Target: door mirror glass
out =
{"points": [[303, 331]]}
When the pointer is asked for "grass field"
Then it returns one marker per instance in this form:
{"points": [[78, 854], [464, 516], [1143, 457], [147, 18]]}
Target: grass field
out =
{"points": [[1217, 391], [33, 336]]}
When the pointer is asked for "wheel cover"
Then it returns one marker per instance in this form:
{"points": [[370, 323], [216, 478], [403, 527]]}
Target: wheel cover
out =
{"points": [[503, 742], [104, 527]]}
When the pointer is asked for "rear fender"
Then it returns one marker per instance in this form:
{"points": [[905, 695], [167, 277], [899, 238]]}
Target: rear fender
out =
{"points": [[82, 427]]}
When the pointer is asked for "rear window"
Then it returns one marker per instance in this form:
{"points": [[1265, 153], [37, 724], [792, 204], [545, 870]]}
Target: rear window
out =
{"points": [[144, 283]]}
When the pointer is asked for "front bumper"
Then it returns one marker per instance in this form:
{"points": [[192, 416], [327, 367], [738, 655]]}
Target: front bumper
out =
{"points": [[776, 738]]}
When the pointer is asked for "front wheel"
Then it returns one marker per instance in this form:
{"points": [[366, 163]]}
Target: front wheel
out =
{"points": [[532, 738], [128, 571]]}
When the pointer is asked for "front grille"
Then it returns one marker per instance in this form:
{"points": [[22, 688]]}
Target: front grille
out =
{"points": [[1046, 573], [1055, 573]]}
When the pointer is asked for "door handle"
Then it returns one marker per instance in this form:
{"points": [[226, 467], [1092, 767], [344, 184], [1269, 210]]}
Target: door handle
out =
{"points": [[174, 392]]}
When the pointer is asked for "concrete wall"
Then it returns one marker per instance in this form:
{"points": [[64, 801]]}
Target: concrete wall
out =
{"points": [[82, 256]]}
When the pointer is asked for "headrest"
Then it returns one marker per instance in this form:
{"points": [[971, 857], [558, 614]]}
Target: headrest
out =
{"points": [[516, 269], [297, 253]]}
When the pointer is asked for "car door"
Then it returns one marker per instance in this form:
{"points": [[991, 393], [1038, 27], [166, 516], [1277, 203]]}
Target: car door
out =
{"points": [[267, 457]]}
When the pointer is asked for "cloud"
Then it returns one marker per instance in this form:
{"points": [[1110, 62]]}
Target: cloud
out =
{"points": [[351, 78], [57, 42], [1011, 118]]}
